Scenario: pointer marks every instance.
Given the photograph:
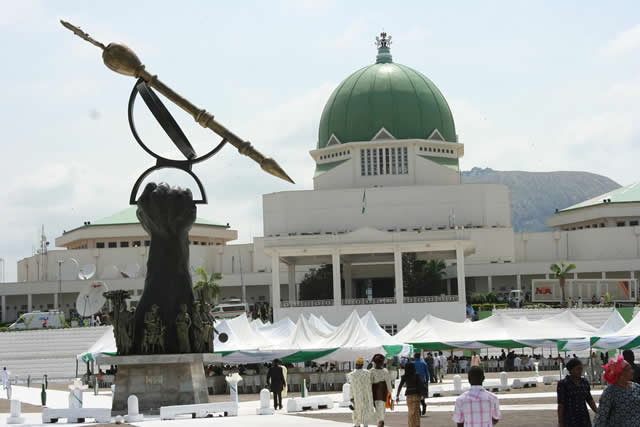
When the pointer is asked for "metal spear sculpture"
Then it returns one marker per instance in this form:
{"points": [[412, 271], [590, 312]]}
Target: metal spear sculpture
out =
{"points": [[123, 60], [163, 317]]}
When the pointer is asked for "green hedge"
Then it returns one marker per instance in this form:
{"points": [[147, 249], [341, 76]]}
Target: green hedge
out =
{"points": [[487, 307]]}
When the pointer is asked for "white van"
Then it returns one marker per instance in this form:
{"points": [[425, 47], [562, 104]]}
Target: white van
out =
{"points": [[229, 310], [39, 320]]}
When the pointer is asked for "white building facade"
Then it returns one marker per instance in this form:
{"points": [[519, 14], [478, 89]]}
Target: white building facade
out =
{"points": [[387, 183]]}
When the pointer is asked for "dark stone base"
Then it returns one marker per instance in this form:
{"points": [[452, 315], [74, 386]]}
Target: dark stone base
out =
{"points": [[159, 380]]}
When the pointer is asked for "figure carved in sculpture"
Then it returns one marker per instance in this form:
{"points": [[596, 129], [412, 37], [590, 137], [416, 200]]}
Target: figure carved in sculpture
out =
{"points": [[124, 328], [207, 327], [153, 341], [183, 324], [197, 338]]}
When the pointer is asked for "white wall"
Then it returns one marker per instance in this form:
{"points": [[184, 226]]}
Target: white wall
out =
{"points": [[609, 243], [386, 207], [384, 313]]}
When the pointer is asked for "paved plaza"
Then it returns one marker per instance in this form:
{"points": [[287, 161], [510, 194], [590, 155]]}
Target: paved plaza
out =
{"points": [[520, 407]]}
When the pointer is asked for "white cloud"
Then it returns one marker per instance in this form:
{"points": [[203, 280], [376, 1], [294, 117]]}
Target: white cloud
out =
{"points": [[624, 42]]}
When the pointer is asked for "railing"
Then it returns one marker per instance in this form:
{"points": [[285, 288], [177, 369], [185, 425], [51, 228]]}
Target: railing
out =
{"points": [[307, 303], [434, 298], [367, 301]]}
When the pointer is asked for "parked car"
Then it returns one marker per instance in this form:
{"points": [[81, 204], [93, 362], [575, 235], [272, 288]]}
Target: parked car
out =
{"points": [[39, 320]]}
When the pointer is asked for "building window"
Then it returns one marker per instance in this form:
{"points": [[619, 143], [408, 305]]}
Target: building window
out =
{"points": [[362, 166], [602, 225], [633, 223], [393, 161], [386, 161], [381, 160], [391, 329], [405, 160], [100, 245], [375, 161], [113, 244], [136, 243], [124, 244], [620, 223], [147, 242], [368, 161]]}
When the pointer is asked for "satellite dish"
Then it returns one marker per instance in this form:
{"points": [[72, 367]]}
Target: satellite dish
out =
{"points": [[130, 271], [90, 299], [87, 272], [69, 269]]}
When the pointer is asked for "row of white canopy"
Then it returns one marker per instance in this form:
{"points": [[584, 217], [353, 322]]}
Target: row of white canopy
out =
{"points": [[314, 338]]}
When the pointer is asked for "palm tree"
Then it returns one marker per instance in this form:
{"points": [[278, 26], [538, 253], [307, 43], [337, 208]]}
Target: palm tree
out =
{"points": [[560, 272], [207, 287]]}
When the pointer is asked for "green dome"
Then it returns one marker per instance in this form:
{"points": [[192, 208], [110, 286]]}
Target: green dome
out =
{"points": [[400, 99]]}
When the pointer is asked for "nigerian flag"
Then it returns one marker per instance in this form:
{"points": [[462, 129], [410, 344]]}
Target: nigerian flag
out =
{"points": [[364, 200]]}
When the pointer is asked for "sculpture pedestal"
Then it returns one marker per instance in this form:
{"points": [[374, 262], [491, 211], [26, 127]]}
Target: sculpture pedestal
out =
{"points": [[159, 380]]}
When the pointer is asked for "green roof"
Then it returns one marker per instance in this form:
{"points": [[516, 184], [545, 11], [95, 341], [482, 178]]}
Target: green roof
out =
{"points": [[628, 194], [128, 216], [400, 99], [445, 161], [326, 167]]}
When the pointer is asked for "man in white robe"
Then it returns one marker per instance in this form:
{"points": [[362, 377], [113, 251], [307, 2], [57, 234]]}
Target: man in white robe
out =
{"points": [[381, 386], [361, 395]]}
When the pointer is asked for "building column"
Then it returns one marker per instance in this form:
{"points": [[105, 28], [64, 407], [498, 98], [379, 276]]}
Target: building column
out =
{"points": [[633, 275], [489, 283], [55, 301], [337, 294], [546, 276], [292, 282], [397, 260], [275, 282], [348, 285], [462, 289], [518, 282], [4, 308], [29, 303], [448, 286], [604, 275]]}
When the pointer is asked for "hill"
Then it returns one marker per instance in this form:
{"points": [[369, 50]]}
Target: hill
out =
{"points": [[536, 195]]}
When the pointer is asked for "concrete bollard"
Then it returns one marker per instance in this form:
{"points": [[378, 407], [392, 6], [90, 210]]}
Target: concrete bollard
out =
{"points": [[457, 384], [16, 415], [346, 396], [233, 381], [504, 381], [133, 410], [265, 406]]}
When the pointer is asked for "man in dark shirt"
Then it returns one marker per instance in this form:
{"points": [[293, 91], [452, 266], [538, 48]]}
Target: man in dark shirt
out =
{"points": [[276, 383], [574, 393], [430, 362], [423, 370], [630, 358]]}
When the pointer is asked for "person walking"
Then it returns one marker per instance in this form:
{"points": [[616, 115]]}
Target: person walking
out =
{"points": [[631, 358], [4, 376], [276, 383], [620, 401], [361, 395], [416, 388], [430, 362], [574, 394], [422, 370], [476, 407], [444, 365], [380, 386]]}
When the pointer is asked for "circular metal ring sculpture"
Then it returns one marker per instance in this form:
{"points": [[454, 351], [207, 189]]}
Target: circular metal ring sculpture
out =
{"points": [[173, 131]]}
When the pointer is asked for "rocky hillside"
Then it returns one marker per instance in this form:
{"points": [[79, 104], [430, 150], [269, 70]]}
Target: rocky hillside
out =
{"points": [[536, 195]]}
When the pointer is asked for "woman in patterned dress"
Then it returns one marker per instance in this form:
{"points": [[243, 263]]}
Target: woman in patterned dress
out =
{"points": [[620, 401], [574, 394]]}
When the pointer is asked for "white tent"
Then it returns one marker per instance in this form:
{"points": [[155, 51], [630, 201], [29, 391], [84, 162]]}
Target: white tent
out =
{"points": [[625, 338], [495, 331], [611, 326]]}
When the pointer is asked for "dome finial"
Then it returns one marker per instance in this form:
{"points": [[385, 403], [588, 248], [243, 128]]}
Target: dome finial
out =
{"points": [[384, 52]]}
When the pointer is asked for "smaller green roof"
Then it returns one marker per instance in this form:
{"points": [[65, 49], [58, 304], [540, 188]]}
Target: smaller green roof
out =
{"points": [[628, 194], [128, 216]]}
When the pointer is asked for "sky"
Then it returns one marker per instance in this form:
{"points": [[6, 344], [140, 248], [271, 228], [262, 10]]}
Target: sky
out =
{"points": [[536, 86]]}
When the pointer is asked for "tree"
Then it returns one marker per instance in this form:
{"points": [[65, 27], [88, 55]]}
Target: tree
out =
{"points": [[207, 287], [560, 272], [317, 283], [422, 277]]}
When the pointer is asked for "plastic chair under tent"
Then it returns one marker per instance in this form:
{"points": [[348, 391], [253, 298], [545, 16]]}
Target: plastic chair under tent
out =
{"points": [[464, 364], [295, 382], [329, 381], [314, 382], [501, 365], [493, 365]]}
